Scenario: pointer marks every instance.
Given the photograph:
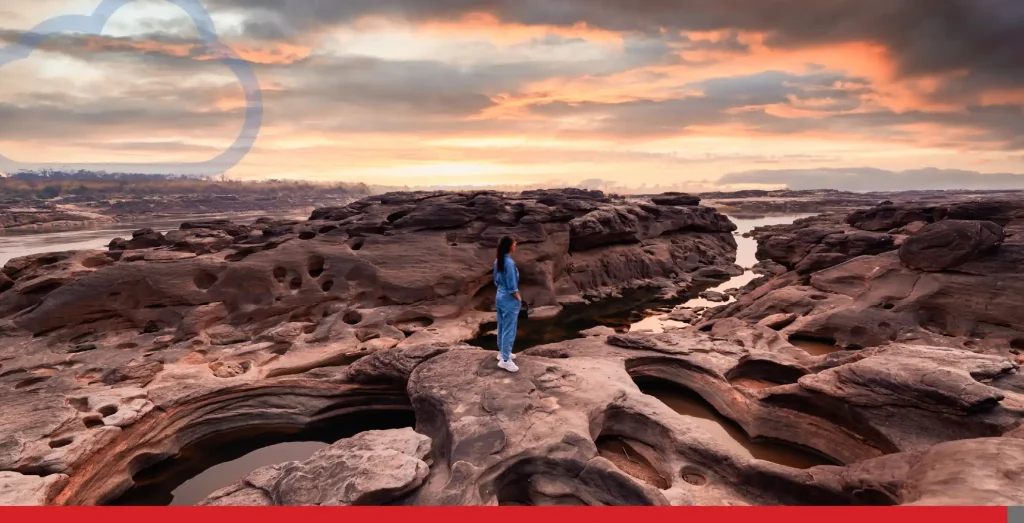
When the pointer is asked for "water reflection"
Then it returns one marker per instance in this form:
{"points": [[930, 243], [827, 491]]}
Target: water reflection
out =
{"points": [[217, 462], [746, 253], [815, 347]]}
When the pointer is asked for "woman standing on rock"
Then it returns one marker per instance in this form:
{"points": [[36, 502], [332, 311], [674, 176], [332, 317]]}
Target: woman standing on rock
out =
{"points": [[508, 300]]}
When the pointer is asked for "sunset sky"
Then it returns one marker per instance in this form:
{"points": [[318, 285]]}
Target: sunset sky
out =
{"points": [[684, 94]]}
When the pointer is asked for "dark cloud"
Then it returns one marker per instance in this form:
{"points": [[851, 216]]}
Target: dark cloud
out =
{"points": [[924, 36], [868, 179]]}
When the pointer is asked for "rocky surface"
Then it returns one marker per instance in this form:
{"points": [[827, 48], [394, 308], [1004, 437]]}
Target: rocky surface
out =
{"points": [[942, 275], [760, 202], [115, 361], [543, 436], [73, 211], [96, 342], [45, 217]]}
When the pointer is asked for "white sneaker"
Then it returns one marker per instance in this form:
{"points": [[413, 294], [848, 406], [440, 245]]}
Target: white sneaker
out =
{"points": [[499, 356], [508, 365]]}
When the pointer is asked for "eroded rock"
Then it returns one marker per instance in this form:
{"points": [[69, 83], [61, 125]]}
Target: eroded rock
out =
{"points": [[949, 244], [371, 468]]}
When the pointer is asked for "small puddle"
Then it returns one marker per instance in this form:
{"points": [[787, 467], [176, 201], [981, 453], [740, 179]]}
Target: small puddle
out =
{"points": [[815, 347], [726, 431], [220, 461]]}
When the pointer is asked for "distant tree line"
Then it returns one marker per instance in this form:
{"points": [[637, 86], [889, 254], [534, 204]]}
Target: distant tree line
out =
{"points": [[82, 184]]}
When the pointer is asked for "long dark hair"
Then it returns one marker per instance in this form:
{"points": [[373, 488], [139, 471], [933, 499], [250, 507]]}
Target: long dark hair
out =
{"points": [[504, 247]]}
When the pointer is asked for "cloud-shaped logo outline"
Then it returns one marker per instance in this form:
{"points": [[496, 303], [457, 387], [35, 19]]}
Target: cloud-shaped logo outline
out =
{"points": [[94, 24]]}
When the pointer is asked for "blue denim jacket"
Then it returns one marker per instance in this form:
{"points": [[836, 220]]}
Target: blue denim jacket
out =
{"points": [[507, 282]]}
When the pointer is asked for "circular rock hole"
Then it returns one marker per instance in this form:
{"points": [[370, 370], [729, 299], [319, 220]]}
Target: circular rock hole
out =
{"points": [[62, 442], [327, 285], [107, 410], [307, 235], [92, 422], [889, 306], [693, 476], [327, 228], [204, 280], [819, 297], [356, 243], [280, 273], [316, 266], [295, 284], [352, 318], [414, 325]]}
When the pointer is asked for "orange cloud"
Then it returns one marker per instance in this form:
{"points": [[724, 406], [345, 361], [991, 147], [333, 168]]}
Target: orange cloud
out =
{"points": [[269, 53], [488, 26]]}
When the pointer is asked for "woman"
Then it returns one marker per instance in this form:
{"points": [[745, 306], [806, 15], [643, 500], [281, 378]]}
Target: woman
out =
{"points": [[506, 279]]}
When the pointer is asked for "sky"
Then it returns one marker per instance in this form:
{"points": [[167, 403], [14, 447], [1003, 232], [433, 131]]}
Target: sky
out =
{"points": [[669, 94]]}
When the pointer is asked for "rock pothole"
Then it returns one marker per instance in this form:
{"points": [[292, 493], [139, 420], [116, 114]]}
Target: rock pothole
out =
{"points": [[62, 442], [693, 475], [629, 456], [316, 266], [204, 280], [352, 318], [221, 456]]}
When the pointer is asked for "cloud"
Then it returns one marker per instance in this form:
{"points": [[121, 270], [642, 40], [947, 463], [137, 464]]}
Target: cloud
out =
{"points": [[923, 36], [737, 100], [94, 24], [868, 179]]}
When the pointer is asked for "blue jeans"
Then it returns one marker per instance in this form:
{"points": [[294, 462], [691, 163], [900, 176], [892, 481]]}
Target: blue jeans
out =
{"points": [[508, 319]]}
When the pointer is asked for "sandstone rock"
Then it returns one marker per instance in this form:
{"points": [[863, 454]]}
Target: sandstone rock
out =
{"points": [[714, 296], [600, 330], [372, 468], [226, 335], [683, 315], [21, 490], [109, 364], [949, 244]]}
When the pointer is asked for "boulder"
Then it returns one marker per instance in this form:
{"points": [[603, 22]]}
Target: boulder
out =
{"points": [[371, 468], [949, 244]]}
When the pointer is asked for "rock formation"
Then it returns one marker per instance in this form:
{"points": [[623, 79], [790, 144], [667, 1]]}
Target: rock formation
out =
{"points": [[116, 361], [97, 342], [951, 282]]}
